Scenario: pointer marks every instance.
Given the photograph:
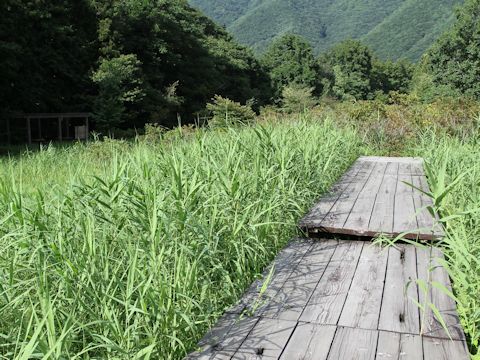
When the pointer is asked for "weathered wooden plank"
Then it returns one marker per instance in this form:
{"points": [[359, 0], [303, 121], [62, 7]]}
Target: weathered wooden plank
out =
{"points": [[225, 338], [438, 230], [309, 342], [442, 349], [267, 340], [362, 307], [381, 220], [354, 344], [398, 312], [430, 271], [367, 198], [404, 218], [289, 302], [321, 209], [284, 264], [424, 218], [359, 217], [326, 302], [417, 169], [408, 160], [399, 346], [336, 217]]}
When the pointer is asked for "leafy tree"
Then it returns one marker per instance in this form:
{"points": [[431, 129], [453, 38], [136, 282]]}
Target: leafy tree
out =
{"points": [[454, 60], [392, 75], [226, 112], [290, 60], [120, 83], [47, 50], [178, 48], [297, 98], [351, 65]]}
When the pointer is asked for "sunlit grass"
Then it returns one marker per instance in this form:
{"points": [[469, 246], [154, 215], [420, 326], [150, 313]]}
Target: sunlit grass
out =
{"points": [[131, 250], [459, 158]]}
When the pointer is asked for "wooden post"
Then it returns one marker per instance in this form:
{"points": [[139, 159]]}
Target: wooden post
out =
{"points": [[39, 123], [29, 131], [9, 135], [60, 137], [86, 128], [67, 130]]}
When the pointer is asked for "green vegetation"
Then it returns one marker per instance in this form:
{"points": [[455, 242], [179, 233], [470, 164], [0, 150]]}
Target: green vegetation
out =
{"points": [[351, 67], [132, 250], [290, 60], [121, 249], [130, 62], [462, 244], [453, 61], [394, 29]]}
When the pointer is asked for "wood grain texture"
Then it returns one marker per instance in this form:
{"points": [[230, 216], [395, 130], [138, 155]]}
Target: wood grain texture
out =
{"points": [[399, 312], [399, 346], [442, 349], [432, 272], [290, 301], [326, 303], [361, 212], [323, 207], [225, 338], [362, 307], [336, 217], [284, 264], [381, 220], [310, 342], [353, 344], [347, 291], [404, 219], [376, 197], [267, 340]]}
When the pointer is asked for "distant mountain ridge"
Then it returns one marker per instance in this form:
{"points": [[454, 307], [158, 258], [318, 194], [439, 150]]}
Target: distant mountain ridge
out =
{"points": [[393, 28]]}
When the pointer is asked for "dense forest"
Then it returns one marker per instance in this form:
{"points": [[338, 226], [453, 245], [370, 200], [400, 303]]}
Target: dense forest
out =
{"points": [[135, 62], [394, 29], [130, 61]]}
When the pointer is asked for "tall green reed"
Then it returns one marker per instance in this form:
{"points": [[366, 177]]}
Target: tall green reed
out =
{"points": [[455, 183], [131, 250]]}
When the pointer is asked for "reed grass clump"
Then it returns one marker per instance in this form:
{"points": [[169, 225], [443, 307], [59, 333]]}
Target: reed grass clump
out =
{"points": [[118, 250], [457, 159]]}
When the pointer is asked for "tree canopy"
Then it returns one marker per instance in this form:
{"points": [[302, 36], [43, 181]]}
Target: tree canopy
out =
{"points": [[394, 29], [454, 60], [290, 60], [351, 65], [130, 61], [47, 51]]}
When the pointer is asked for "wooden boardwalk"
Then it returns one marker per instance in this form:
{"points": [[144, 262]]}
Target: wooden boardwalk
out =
{"points": [[374, 197], [344, 299]]}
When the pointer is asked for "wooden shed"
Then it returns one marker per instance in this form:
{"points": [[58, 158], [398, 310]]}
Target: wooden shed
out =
{"points": [[46, 127]]}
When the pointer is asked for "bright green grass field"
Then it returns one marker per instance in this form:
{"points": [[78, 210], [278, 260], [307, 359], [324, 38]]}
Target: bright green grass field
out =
{"points": [[122, 250]]}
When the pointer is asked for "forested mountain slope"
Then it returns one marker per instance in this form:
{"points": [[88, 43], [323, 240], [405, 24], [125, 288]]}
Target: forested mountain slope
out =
{"points": [[393, 28]]}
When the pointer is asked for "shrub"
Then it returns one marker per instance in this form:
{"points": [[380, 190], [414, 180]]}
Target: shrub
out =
{"points": [[226, 112], [120, 82], [297, 98], [153, 133]]}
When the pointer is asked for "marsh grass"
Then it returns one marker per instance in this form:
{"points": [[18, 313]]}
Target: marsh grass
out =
{"points": [[119, 250], [455, 182]]}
